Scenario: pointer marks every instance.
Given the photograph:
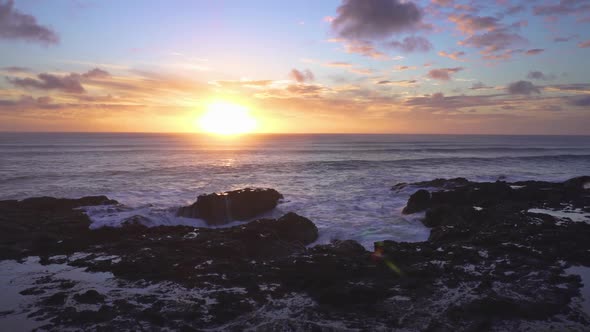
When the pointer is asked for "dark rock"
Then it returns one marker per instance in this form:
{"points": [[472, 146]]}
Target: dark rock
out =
{"points": [[44, 225], [419, 201], [343, 248], [578, 183], [294, 228], [488, 265], [32, 291], [218, 209], [89, 297], [443, 183], [56, 299], [399, 186]]}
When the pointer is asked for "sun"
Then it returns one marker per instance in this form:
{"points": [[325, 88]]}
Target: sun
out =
{"points": [[224, 118]]}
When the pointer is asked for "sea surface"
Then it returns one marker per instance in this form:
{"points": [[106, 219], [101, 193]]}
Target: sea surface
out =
{"points": [[341, 182]]}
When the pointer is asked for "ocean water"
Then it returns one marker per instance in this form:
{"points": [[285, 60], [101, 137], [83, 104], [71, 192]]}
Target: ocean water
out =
{"points": [[341, 182]]}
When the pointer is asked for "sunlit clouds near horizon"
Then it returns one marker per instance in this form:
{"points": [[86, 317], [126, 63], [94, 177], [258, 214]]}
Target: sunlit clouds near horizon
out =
{"points": [[337, 66]]}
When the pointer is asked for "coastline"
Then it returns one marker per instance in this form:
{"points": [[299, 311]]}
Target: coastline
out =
{"points": [[489, 263]]}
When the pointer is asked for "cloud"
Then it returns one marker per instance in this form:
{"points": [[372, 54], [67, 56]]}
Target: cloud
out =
{"points": [[301, 76], [480, 86], [538, 75], [470, 24], [455, 55], [534, 51], [96, 73], [585, 44], [16, 25], [515, 9], [338, 64], [443, 3], [404, 83], [564, 39], [583, 101], [440, 102], [68, 83], [365, 48], [375, 19], [27, 102], [574, 87], [412, 44], [244, 83], [443, 74], [349, 67], [305, 89], [402, 68], [494, 41], [563, 7], [15, 69], [522, 88]]}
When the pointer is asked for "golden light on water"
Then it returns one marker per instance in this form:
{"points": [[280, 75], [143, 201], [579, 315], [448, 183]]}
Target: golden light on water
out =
{"points": [[225, 118]]}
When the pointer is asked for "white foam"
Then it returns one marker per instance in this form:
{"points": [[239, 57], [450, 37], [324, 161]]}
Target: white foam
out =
{"points": [[16, 277], [366, 218], [576, 215]]}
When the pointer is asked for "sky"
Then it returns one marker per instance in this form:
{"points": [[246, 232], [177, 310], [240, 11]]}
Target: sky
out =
{"points": [[307, 66]]}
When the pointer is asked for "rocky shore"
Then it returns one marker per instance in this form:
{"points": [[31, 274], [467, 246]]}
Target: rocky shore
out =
{"points": [[499, 257]]}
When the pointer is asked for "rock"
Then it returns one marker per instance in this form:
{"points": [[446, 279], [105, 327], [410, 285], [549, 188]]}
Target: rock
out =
{"points": [[89, 297], [222, 208], [399, 186], [295, 228], [443, 183], [343, 248], [56, 299], [578, 183], [32, 291], [488, 265], [419, 201], [45, 225]]}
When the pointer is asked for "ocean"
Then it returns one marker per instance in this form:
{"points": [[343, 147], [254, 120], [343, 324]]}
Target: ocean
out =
{"points": [[341, 182]]}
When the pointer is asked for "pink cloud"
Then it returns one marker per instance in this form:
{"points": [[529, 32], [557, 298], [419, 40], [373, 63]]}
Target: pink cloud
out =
{"points": [[443, 74]]}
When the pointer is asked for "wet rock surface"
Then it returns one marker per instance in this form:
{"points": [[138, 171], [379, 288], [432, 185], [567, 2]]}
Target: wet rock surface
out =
{"points": [[489, 265], [222, 208]]}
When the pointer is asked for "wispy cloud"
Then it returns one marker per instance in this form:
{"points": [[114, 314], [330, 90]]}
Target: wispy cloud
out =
{"points": [[17, 25], [443, 74]]}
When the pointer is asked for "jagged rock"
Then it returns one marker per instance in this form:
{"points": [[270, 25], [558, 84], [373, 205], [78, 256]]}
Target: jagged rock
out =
{"points": [[56, 299], [45, 225], [579, 183], [443, 183], [488, 265], [419, 201], [89, 297], [221, 208]]}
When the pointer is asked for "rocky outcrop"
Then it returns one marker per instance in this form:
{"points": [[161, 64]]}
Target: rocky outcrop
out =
{"points": [[436, 183], [36, 225], [222, 208], [489, 265], [419, 201]]}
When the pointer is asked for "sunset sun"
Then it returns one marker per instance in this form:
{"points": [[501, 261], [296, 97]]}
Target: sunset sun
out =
{"points": [[224, 118]]}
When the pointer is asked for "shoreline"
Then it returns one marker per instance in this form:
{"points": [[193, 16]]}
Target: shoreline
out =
{"points": [[491, 261]]}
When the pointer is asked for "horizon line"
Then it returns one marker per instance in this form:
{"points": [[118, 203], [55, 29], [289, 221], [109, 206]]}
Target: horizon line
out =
{"points": [[276, 133]]}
